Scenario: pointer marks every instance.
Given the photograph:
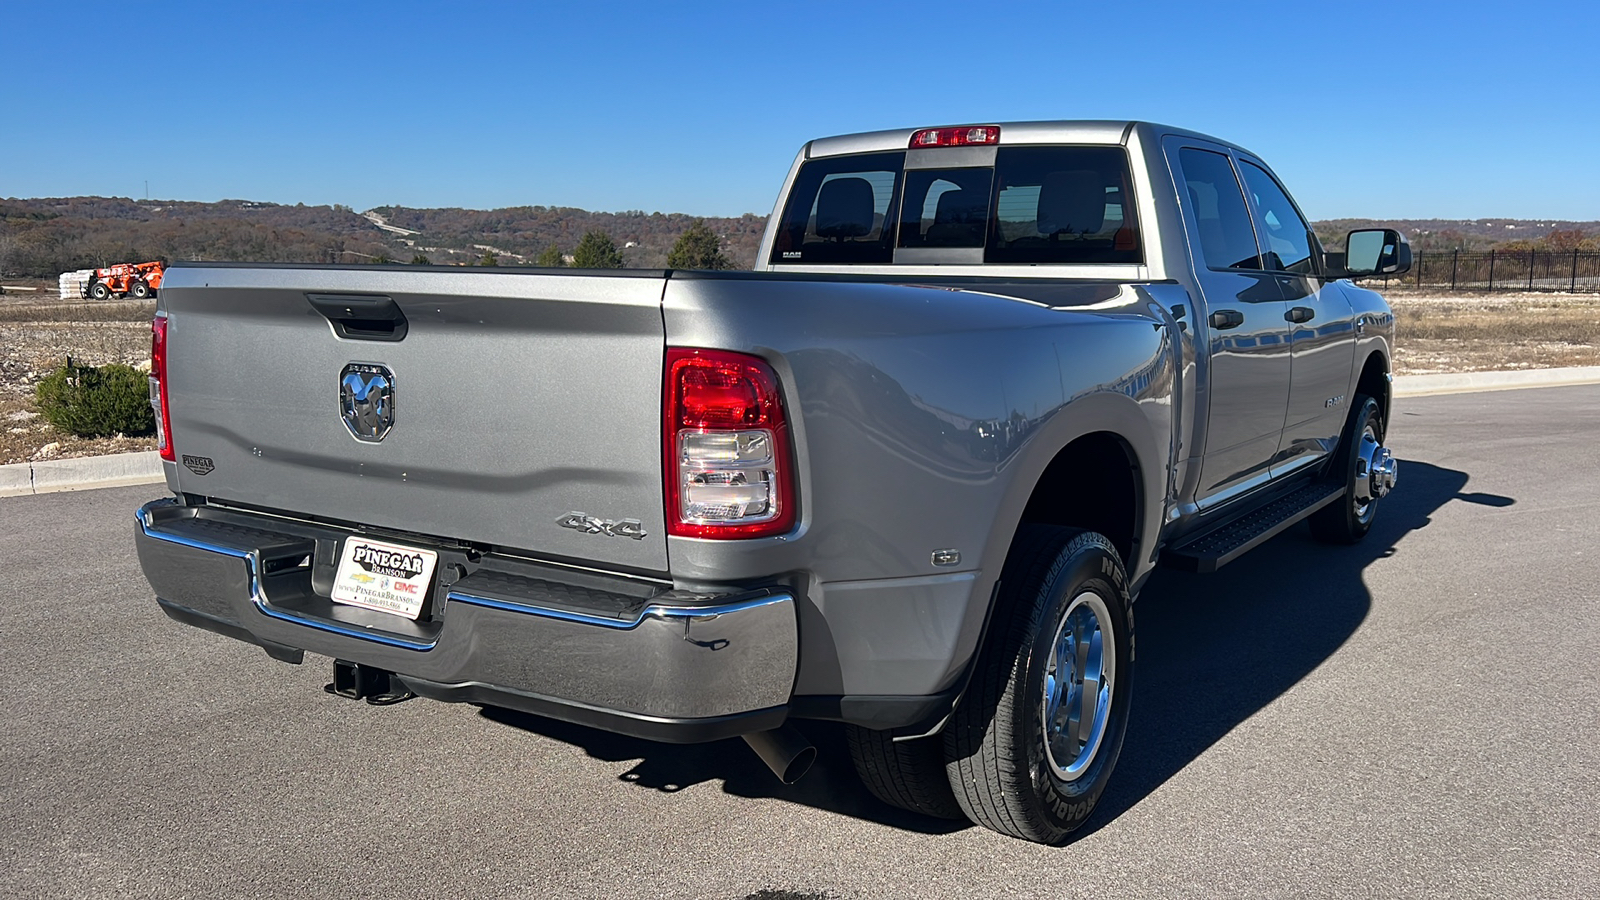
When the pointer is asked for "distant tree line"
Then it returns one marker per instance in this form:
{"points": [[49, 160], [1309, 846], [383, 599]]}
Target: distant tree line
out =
{"points": [[44, 237], [643, 239], [697, 248], [1436, 235], [1559, 240]]}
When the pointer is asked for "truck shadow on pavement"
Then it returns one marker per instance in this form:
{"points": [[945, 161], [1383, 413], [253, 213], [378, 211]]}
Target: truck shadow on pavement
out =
{"points": [[1215, 649], [831, 784], [1212, 651]]}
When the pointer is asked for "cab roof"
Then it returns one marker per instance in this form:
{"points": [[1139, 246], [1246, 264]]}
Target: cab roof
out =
{"points": [[1082, 131]]}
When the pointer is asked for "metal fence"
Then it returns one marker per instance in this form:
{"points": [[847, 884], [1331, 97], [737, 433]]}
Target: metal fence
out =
{"points": [[1491, 270]]}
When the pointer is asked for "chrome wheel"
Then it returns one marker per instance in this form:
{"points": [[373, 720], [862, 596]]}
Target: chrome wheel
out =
{"points": [[1375, 474], [1030, 750], [1367, 470], [1078, 686]]}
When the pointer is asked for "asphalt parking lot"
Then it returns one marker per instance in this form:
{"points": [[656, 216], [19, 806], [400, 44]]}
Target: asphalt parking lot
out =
{"points": [[1418, 715]]}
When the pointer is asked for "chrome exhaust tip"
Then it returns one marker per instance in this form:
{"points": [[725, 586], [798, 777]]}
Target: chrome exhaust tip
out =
{"points": [[785, 751]]}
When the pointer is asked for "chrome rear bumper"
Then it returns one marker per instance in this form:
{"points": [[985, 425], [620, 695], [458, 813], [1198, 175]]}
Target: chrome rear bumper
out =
{"points": [[640, 660]]}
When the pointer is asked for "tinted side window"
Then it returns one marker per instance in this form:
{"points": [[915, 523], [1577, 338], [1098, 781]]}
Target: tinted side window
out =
{"points": [[840, 211], [1284, 234], [1227, 240], [1063, 205]]}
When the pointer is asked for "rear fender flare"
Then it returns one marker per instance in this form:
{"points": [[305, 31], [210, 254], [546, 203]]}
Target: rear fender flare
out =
{"points": [[1116, 414]]}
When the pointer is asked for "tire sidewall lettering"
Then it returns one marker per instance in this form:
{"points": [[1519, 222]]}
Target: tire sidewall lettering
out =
{"points": [[1091, 569]]}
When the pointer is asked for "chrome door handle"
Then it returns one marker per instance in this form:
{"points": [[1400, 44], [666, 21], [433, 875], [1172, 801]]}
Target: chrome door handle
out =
{"points": [[1223, 319], [1300, 314]]}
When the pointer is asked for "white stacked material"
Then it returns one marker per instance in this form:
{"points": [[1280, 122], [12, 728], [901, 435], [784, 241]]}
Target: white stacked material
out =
{"points": [[72, 283]]}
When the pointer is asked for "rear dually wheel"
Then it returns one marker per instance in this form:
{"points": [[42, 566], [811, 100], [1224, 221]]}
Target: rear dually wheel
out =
{"points": [[1032, 746], [1369, 472]]}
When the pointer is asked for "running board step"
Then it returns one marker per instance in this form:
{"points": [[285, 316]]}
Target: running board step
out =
{"points": [[1218, 547]]}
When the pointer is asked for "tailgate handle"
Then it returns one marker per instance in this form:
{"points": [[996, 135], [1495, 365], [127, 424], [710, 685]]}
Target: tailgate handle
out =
{"points": [[361, 318]]}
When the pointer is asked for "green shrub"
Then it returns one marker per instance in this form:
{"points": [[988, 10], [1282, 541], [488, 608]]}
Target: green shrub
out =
{"points": [[91, 401]]}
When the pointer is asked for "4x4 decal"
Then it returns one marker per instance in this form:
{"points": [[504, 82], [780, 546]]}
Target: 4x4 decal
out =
{"points": [[578, 521]]}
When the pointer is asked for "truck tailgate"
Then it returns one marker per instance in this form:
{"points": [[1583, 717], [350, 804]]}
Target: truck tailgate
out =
{"points": [[516, 399]]}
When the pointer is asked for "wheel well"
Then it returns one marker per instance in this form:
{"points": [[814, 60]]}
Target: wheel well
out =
{"points": [[1373, 382], [1092, 483]]}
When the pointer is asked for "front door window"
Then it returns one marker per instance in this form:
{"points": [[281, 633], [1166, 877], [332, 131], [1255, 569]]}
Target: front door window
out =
{"points": [[1285, 236]]}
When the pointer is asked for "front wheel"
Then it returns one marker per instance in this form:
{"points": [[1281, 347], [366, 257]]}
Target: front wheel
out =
{"points": [[1369, 472], [1032, 746], [99, 291]]}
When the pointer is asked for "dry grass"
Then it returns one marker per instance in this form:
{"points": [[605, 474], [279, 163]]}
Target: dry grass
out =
{"points": [[111, 311], [1455, 333], [38, 333], [25, 436]]}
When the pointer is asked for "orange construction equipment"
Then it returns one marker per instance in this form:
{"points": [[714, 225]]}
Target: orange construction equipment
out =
{"points": [[139, 280]]}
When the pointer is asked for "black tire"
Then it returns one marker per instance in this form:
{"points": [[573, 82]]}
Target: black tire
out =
{"points": [[99, 291], [996, 759], [1346, 520], [140, 290], [904, 774]]}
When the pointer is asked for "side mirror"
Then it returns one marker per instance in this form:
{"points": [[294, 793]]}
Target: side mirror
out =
{"points": [[1376, 251]]}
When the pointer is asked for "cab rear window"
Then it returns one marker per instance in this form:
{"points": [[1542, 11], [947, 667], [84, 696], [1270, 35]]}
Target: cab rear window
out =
{"points": [[1035, 205], [839, 211]]}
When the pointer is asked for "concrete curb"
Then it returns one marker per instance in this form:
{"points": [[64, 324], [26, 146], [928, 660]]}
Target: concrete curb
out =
{"points": [[122, 469], [53, 475], [1472, 382]]}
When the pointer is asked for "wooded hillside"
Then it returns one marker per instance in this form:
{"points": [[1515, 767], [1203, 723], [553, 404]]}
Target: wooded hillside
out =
{"points": [[43, 237]]}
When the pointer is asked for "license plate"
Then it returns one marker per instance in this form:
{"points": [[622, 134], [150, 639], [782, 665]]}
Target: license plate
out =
{"points": [[390, 578]]}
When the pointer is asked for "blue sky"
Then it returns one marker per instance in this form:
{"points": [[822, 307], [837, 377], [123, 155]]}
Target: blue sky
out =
{"points": [[1400, 110]]}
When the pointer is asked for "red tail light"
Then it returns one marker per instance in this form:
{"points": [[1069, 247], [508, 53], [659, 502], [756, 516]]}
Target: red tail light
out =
{"points": [[728, 472], [158, 387], [964, 136]]}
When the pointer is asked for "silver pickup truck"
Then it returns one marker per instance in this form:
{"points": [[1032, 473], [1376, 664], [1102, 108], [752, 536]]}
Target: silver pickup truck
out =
{"points": [[909, 477]]}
